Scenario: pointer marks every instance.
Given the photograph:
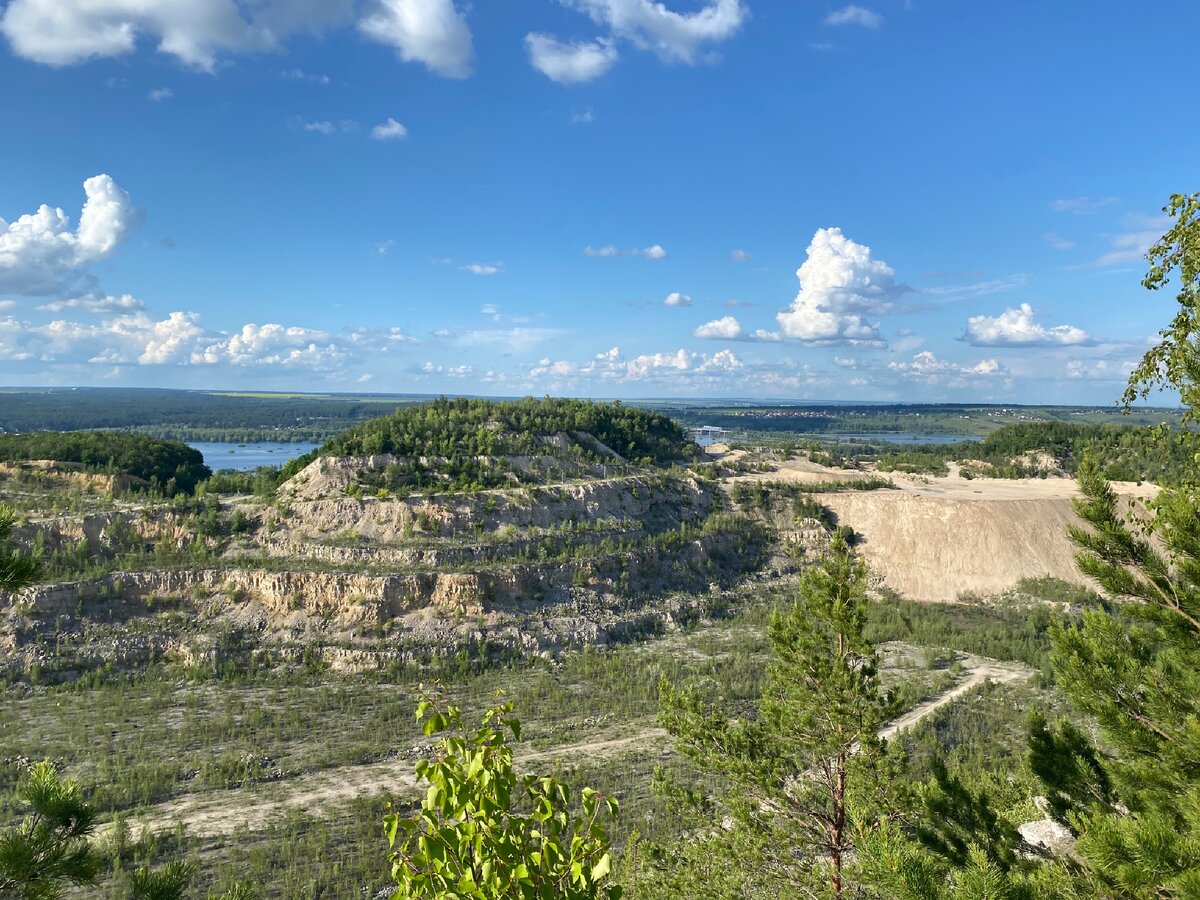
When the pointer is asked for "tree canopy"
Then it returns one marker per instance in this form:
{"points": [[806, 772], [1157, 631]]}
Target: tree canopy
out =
{"points": [[143, 457]]}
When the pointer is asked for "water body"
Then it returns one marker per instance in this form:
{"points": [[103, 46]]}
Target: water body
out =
{"points": [[893, 437], [898, 437], [243, 457]]}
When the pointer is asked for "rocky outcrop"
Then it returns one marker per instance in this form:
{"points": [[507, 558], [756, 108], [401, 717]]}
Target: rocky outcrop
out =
{"points": [[655, 502], [66, 474]]}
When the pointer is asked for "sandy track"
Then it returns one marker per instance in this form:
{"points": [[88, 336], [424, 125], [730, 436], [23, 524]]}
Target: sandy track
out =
{"points": [[320, 794], [979, 669], [212, 814]]}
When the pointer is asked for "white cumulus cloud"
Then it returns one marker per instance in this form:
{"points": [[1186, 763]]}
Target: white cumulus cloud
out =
{"points": [[605, 251], [674, 36], [570, 63], [726, 328], [431, 32], [199, 32], [41, 254], [840, 283], [654, 252], [926, 367], [391, 130], [66, 32], [675, 298], [1017, 328]]}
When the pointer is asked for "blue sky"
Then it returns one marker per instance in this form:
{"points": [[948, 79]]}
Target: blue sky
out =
{"points": [[924, 200]]}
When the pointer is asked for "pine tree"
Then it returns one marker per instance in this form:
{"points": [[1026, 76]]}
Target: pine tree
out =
{"points": [[805, 772], [51, 848], [16, 570], [1134, 666]]}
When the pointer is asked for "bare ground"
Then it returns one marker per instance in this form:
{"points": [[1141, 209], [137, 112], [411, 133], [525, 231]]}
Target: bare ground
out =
{"points": [[321, 793], [935, 538]]}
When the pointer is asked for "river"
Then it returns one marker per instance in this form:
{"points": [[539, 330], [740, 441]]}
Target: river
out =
{"points": [[243, 457]]}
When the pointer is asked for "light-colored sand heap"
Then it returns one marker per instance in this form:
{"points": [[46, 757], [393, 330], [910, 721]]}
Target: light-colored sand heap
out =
{"points": [[937, 538]]}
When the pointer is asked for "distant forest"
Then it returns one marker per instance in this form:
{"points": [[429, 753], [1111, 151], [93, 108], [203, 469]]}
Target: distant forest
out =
{"points": [[772, 421], [191, 415], [169, 465]]}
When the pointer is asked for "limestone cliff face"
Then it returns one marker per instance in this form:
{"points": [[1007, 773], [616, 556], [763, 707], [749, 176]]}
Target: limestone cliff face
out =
{"points": [[103, 531], [654, 501], [610, 551], [64, 474]]}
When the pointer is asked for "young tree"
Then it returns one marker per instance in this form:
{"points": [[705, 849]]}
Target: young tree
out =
{"points": [[51, 847], [16, 570], [483, 832], [806, 770], [1135, 667]]}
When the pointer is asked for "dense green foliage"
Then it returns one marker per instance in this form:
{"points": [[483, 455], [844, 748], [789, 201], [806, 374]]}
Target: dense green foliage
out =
{"points": [[485, 833], [51, 848], [491, 428], [170, 465], [17, 569], [1123, 452]]}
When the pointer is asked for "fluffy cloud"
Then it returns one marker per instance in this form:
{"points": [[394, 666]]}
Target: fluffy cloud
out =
{"points": [[726, 328], [198, 32], [657, 365], [675, 298], [160, 94], [927, 368], [66, 32], [653, 252], [41, 254], [854, 15], [432, 32], [391, 130], [459, 371], [840, 283], [570, 63], [136, 338], [676, 37], [96, 303], [1017, 328], [553, 369]]}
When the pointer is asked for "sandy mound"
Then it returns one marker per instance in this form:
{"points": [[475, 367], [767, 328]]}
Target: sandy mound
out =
{"points": [[937, 538]]}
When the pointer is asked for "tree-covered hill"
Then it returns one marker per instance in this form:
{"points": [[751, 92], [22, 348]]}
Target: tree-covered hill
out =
{"points": [[463, 427], [170, 464], [1123, 452]]}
